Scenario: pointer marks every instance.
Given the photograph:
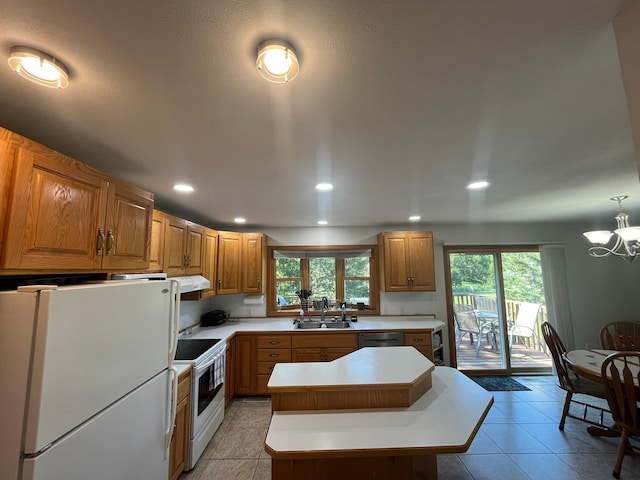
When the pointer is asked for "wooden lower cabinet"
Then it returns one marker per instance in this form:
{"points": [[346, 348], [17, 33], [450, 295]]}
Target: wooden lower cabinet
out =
{"points": [[229, 374], [245, 364], [270, 350], [179, 450], [427, 342]]}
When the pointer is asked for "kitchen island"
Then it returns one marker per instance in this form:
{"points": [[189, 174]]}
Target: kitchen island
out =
{"points": [[374, 443]]}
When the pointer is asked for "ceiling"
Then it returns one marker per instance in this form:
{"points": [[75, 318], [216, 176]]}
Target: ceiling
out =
{"points": [[398, 104]]}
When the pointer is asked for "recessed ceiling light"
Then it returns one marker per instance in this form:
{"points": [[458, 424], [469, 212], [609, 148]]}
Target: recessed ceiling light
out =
{"points": [[322, 222], [478, 185], [239, 220], [181, 187], [38, 67], [324, 187], [414, 218], [277, 61]]}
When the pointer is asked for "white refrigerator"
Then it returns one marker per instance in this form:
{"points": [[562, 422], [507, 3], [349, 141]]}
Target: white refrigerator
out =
{"points": [[87, 384]]}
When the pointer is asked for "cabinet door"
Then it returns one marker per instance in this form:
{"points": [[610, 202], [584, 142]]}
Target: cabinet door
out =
{"points": [[229, 272], [333, 353], [210, 265], [253, 261], [245, 365], [423, 276], [127, 228], [230, 368], [7, 154], [175, 243], [179, 451], [396, 262], [195, 250], [156, 251], [55, 213]]}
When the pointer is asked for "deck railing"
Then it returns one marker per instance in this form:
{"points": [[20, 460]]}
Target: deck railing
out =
{"points": [[480, 302]]}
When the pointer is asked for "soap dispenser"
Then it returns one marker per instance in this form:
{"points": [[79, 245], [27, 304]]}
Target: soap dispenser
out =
{"points": [[344, 311]]}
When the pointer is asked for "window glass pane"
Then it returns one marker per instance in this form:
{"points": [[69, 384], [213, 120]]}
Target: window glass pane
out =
{"points": [[286, 293], [356, 267], [287, 267], [323, 277], [356, 291]]}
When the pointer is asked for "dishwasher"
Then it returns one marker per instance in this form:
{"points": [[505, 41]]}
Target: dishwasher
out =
{"points": [[380, 339]]}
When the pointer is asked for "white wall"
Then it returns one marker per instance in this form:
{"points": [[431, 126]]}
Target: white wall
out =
{"points": [[600, 290]]}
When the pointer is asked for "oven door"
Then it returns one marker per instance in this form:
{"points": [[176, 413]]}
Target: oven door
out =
{"points": [[209, 382]]}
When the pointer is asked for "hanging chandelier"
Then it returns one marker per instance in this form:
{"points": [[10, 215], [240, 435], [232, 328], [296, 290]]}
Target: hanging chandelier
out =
{"points": [[627, 239]]}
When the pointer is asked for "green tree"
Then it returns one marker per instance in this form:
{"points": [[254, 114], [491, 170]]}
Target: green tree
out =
{"points": [[522, 274]]}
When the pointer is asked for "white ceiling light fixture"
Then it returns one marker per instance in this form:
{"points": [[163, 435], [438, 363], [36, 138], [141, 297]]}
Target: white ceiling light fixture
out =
{"points": [[627, 239], [277, 61], [324, 187], [414, 218], [240, 220], [182, 187], [322, 222], [478, 185], [39, 67]]}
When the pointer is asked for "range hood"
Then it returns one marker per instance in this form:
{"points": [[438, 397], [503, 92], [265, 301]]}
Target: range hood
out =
{"points": [[190, 283]]}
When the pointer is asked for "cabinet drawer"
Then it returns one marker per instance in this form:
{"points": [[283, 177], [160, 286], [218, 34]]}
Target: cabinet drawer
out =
{"points": [[265, 368], [274, 354], [184, 388], [306, 340], [417, 339], [274, 341]]}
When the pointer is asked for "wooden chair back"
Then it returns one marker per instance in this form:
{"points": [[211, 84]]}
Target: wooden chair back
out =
{"points": [[621, 336], [557, 349]]}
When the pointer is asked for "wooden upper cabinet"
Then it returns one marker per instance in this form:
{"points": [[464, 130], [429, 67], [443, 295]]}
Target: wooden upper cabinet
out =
{"points": [[210, 267], [127, 228], [156, 251], [6, 171], [229, 263], [183, 247], [407, 263], [253, 262], [64, 215]]}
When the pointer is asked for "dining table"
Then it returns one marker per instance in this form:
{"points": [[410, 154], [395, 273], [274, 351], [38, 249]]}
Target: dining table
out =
{"points": [[588, 364]]}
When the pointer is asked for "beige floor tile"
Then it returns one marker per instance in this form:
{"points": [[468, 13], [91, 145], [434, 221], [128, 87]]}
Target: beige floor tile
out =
{"points": [[263, 470], [239, 443], [236, 469], [492, 467]]}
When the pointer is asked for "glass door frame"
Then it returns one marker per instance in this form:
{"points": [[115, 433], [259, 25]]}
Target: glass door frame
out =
{"points": [[505, 354]]}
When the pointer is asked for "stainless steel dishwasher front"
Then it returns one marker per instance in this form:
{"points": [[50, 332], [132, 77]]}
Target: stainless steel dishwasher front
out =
{"points": [[380, 339]]}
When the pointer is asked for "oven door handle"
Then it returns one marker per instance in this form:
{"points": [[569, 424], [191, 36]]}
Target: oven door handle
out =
{"points": [[173, 392]]}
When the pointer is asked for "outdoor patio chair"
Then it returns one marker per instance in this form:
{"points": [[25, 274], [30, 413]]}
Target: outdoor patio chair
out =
{"points": [[621, 336], [619, 371], [524, 324], [468, 323], [569, 381]]}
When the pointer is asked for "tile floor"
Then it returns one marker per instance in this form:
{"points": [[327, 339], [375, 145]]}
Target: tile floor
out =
{"points": [[518, 440]]}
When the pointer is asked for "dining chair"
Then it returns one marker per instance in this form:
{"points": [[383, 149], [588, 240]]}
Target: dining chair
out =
{"points": [[525, 322], [570, 382], [621, 379], [468, 323], [621, 336]]}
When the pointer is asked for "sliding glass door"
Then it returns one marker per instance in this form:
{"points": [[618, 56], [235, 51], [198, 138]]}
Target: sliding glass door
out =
{"points": [[496, 307]]}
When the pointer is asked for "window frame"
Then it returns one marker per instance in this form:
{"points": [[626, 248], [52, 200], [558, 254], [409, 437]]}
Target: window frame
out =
{"points": [[374, 280]]}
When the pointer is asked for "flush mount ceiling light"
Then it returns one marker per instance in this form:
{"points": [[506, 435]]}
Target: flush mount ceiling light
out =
{"points": [[478, 185], [322, 222], [240, 220], [627, 239], [324, 187], [181, 187], [414, 218], [277, 61], [39, 67]]}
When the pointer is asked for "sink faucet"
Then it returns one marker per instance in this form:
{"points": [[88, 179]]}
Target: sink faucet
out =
{"points": [[325, 307]]}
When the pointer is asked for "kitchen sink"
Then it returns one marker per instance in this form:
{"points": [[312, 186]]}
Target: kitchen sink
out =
{"points": [[315, 324]]}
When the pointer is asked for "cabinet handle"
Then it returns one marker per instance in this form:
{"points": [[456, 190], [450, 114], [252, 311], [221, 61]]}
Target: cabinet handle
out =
{"points": [[274, 355], [111, 241], [418, 340], [100, 242], [258, 280], [274, 342], [219, 283]]}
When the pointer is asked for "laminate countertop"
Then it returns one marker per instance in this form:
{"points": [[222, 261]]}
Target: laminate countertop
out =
{"points": [[281, 325]]}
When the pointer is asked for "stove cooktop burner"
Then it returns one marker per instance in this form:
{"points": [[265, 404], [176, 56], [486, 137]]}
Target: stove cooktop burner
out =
{"points": [[190, 349]]}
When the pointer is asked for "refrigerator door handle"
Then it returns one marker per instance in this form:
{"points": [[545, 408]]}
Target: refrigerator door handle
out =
{"points": [[175, 320], [172, 410]]}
